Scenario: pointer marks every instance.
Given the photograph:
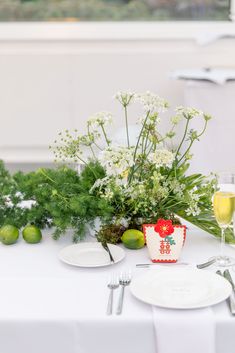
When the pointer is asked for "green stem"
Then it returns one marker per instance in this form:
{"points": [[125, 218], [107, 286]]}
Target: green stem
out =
{"points": [[97, 146], [146, 142], [92, 151], [47, 176], [127, 131], [182, 141], [53, 181], [89, 134], [203, 130], [140, 134], [105, 135], [88, 166], [136, 148], [191, 143], [185, 153]]}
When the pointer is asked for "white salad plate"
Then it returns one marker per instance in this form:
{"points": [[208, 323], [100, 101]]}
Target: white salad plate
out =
{"points": [[90, 255], [180, 288]]}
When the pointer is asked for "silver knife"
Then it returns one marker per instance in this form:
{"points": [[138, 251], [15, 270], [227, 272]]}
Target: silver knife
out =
{"points": [[228, 276], [161, 264]]}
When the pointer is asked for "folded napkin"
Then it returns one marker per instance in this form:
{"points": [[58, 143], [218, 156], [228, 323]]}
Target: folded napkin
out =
{"points": [[216, 75], [184, 331]]}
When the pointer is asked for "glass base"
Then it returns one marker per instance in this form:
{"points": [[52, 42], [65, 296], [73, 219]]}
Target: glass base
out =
{"points": [[223, 261]]}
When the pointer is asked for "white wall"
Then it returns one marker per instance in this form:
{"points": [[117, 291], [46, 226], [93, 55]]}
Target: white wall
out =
{"points": [[49, 85]]}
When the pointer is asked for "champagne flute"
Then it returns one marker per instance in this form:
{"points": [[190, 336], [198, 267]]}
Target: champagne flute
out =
{"points": [[223, 205]]}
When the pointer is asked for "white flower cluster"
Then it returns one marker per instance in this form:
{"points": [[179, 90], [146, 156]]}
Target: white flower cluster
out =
{"points": [[152, 103], [27, 204], [117, 160], [23, 204], [177, 188], [8, 202], [99, 183], [161, 158], [188, 112], [193, 209], [100, 119], [7, 199], [125, 97]]}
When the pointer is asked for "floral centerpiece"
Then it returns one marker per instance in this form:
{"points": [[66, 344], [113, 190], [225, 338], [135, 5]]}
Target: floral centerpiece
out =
{"points": [[123, 185], [145, 180]]}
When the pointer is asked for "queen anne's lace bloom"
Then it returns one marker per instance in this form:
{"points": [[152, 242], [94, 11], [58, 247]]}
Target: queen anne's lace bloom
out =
{"points": [[117, 160], [125, 97], [152, 103], [188, 112], [161, 158], [101, 118]]}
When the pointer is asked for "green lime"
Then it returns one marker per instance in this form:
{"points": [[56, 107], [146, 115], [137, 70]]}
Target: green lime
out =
{"points": [[9, 234], [32, 234], [133, 239]]}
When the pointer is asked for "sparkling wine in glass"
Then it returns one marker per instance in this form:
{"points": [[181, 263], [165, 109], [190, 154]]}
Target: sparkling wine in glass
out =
{"points": [[223, 205]]}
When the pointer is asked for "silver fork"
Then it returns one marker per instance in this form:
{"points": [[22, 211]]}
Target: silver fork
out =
{"points": [[113, 284], [124, 280]]}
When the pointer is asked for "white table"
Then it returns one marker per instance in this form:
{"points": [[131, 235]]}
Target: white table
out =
{"points": [[49, 307]]}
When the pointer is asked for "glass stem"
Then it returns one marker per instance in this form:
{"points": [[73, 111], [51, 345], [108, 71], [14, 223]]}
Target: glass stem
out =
{"points": [[222, 243]]}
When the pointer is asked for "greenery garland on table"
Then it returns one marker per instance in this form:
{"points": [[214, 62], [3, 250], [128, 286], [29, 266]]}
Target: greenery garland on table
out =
{"points": [[122, 185]]}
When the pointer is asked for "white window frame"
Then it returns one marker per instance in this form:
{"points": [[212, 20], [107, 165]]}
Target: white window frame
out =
{"points": [[202, 31]]}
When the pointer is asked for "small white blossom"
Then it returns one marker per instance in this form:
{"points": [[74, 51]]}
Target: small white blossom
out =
{"points": [[189, 112], [152, 103], [50, 221], [8, 202], [26, 204], [193, 208], [19, 195], [161, 158], [99, 183], [193, 211], [117, 160], [100, 119], [125, 97]]}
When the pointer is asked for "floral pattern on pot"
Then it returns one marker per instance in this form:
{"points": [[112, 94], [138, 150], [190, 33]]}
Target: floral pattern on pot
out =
{"points": [[164, 245]]}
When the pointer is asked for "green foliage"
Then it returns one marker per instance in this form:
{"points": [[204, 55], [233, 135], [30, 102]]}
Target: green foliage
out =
{"points": [[62, 199], [110, 233]]}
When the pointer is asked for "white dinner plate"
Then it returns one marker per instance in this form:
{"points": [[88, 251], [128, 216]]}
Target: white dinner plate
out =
{"points": [[180, 288], [90, 255]]}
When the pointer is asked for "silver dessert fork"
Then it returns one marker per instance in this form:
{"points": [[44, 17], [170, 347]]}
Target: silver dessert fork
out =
{"points": [[113, 284], [124, 280]]}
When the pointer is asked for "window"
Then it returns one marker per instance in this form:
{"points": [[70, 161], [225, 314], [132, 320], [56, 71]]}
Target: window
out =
{"points": [[113, 10]]}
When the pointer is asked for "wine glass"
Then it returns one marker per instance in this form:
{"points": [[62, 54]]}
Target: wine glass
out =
{"points": [[223, 205]]}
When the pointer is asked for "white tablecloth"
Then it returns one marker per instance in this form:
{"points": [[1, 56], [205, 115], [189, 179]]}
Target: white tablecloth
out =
{"points": [[49, 307]]}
